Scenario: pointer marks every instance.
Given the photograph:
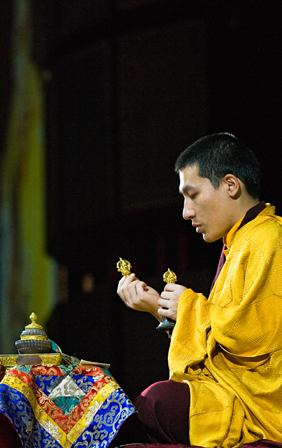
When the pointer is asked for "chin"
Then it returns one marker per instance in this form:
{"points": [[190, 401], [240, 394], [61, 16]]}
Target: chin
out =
{"points": [[210, 239], [206, 239]]}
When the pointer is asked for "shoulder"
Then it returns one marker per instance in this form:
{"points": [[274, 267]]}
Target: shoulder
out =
{"points": [[264, 235], [269, 227]]}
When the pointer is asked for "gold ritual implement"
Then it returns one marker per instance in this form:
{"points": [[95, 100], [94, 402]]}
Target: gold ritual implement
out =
{"points": [[124, 267], [167, 324], [169, 276]]}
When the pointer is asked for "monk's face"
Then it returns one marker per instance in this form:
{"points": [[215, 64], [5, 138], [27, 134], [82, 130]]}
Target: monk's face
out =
{"points": [[208, 208]]}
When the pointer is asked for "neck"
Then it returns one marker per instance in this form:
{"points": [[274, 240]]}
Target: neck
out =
{"points": [[246, 205], [241, 208]]}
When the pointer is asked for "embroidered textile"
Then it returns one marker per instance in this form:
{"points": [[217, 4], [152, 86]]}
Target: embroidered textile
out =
{"points": [[64, 406]]}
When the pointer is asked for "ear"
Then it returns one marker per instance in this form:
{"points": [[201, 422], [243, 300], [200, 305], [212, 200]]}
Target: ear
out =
{"points": [[233, 185]]}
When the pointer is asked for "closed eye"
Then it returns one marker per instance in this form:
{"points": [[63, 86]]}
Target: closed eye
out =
{"points": [[193, 196]]}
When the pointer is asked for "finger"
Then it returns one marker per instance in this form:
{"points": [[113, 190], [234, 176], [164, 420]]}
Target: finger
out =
{"points": [[138, 290], [130, 278], [126, 281], [123, 286], [170, 287], [129, 292], [120, 283], [141, 287], [166, 295], [163, 303], [163, 312]]}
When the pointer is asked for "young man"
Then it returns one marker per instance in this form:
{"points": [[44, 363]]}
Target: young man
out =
{"points": [[225, 358]]}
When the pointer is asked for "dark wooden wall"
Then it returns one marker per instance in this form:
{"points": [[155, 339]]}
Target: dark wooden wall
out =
{"points": [[129, 85]]}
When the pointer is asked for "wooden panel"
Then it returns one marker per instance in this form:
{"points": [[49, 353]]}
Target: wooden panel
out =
{"points": [[80, 140], [162, 109], [75, 15], [128, 4]]}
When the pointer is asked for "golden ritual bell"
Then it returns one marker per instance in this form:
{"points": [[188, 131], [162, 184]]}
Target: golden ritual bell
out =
{"points": [[167, 324]]}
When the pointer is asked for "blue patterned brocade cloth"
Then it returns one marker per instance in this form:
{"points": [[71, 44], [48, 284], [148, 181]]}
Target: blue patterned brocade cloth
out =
{"points": [[64, 406]]}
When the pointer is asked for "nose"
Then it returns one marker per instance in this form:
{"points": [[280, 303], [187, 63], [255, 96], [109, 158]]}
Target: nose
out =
{"points": [[188, 210]]}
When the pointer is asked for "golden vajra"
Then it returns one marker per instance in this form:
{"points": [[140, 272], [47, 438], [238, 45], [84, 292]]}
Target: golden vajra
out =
{"points": [[169, 276], [124, 267]]}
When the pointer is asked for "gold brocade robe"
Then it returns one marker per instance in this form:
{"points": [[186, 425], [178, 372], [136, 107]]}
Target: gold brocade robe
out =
{"points": [[229, 348]]}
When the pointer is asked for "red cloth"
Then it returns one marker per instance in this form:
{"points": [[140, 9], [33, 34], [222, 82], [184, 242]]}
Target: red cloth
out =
{"points": [[258, 444], [2, 371], [219, 266], [163, 410], [168, 429], [251, 214], [8, 435]]}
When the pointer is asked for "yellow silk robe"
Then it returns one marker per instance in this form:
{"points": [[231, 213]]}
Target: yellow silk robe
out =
{"points": [[229, 348]]}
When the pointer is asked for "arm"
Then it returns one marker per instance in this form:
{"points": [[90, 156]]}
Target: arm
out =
{"points": [[189, 338]]}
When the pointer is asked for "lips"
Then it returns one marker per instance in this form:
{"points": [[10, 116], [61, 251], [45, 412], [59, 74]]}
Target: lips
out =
{"points": [[197, 225]]}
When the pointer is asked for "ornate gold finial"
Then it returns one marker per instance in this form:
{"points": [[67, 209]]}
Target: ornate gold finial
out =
{"points": [[169, 276], [33, 339], [33, 324], [124, 267]]}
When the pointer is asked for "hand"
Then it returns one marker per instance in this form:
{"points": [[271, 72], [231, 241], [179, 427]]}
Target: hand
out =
{"points": [[138, 295], [169, 300]]}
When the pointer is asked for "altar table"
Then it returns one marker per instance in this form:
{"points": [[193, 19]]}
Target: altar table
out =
{"points": [[69, 406]]}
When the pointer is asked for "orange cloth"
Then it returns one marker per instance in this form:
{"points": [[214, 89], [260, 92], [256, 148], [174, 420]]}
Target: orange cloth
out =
{"points": [[229, 348]]}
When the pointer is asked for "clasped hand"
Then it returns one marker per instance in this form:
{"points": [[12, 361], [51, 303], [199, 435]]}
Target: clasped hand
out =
{"points": [[137, 295]]}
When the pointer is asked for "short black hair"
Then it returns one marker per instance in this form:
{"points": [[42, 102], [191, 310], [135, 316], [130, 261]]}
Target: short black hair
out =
{"points": [[219, 154]]}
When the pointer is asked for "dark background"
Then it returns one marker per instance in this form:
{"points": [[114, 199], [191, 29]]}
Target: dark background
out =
{"points": [[129, 85]]}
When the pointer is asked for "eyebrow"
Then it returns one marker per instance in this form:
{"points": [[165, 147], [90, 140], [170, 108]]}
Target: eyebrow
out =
{"points": [[186, 189]]}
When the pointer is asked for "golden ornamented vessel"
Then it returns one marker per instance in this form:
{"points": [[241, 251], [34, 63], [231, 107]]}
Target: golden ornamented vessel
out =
{"points": [[33, 339], [33, 348]]}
